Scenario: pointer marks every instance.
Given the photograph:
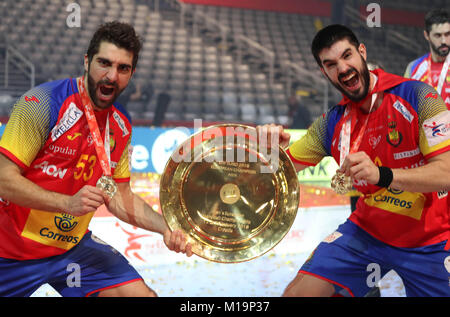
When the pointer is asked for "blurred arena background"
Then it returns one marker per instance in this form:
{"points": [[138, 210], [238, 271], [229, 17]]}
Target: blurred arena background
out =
{"points": [[220, 61]]}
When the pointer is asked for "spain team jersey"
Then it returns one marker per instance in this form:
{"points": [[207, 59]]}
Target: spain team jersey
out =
{"points": [[48, 137], [424, 69], [411, 126]]}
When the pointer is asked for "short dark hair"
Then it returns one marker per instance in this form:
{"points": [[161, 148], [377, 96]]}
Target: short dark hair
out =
{"points": [[436, 16], [118, 33], [329, 35]]}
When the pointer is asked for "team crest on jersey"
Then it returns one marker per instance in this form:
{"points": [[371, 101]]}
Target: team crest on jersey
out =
{"points": [[394, 137], [112, 142]]}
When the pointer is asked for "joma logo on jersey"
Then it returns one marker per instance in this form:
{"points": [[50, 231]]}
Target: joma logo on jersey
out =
{"points": [[51, 170]]}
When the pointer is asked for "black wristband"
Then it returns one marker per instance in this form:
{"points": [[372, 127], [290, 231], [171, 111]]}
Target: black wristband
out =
{"points": [[386, 176]]}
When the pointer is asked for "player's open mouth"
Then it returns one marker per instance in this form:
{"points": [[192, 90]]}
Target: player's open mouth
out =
{"points": [[106, 92], [350, 81]]}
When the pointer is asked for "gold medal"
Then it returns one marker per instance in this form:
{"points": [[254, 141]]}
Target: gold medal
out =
{"points": [[107, 185], [341, 184]]}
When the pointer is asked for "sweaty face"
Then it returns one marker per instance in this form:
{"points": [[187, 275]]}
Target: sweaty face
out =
{"points": [[345, 66], [439, 39], [108, 74]]}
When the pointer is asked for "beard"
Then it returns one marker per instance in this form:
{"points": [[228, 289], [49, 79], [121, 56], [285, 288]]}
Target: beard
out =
{"points": [[93, 87], [364, 78], [439, 51]]}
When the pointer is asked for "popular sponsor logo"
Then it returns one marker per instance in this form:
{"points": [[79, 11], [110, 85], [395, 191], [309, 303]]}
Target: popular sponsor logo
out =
{"points": [[403, 111], [51, 170], [406, 154], [68, 120], [62, 150], [121, 124], [437, 129]]}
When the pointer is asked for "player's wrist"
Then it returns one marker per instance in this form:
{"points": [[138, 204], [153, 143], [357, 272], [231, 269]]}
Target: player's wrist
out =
{"points": [[386, 176]]}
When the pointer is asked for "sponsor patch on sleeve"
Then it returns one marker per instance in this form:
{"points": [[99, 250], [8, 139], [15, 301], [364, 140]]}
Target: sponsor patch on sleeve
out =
{"points": [[437, 129]]}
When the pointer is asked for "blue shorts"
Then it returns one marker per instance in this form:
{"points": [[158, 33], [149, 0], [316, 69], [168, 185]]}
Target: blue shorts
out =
{"points": [[85, 270], [353, 261]]}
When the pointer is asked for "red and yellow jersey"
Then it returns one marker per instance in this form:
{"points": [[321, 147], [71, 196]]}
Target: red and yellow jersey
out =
{"points": [[411, 126], [48, 137], [424, 69]]}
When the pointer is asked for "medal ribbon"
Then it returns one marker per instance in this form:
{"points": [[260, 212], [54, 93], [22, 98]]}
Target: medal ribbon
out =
{"points": [[442, 76], [102, 149], [348, 126]]}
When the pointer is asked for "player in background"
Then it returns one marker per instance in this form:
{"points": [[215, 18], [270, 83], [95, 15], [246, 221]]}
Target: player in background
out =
{"points": [[433, 67]]}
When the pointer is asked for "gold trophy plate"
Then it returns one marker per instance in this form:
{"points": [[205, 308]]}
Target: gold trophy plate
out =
{"points": [[234, 201]]}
